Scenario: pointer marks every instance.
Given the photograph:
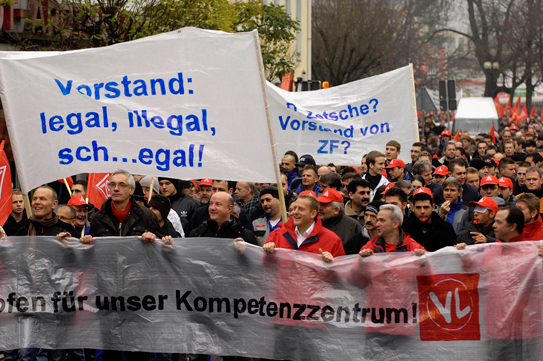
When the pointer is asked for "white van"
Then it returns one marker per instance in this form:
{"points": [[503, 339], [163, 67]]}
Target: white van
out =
{"points": [[475, 115]]}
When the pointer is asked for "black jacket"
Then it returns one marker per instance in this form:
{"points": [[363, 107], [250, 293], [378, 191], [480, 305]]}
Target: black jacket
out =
{"points": [[139, 221], [345, 227], [11, 226], [229, 229], [202, 214], [355, 244], [466, 237], [469, 193], [53, 230], [184, 206], [439, 233]]}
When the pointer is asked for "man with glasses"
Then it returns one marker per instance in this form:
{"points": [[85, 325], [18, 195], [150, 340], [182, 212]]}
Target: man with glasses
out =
{"points": [[121, 215]]}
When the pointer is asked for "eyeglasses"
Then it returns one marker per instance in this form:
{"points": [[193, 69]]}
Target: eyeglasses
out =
{"points": [[115, 185]]}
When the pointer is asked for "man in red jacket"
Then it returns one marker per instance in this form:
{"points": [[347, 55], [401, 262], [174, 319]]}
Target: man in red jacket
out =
{"points": [[304, 232], [296, 282]]}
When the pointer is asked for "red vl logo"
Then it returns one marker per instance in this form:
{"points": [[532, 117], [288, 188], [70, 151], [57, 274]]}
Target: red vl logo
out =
{"points": [[449, 307], [103, 186]]}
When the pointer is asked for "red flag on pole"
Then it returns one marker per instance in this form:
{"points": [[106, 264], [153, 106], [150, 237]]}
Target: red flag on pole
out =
{"points": [[517, 105], [6, 206], [492, 131], [532, 113], [523, 114], [68, 181], [98, 188], [507, 107], [497, 104], [457, 136]]}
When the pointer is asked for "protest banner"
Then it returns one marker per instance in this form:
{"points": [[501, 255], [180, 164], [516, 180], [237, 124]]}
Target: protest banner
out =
{"points": [[212, 296], [342, 123], [181, 103]]}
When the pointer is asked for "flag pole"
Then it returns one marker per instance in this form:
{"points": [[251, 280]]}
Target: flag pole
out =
{"points": [[270, 128], [67, 187], [151, 189]]}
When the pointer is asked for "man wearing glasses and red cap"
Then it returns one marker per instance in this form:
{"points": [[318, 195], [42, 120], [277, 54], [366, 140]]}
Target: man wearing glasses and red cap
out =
{"points": [[480, 230]]}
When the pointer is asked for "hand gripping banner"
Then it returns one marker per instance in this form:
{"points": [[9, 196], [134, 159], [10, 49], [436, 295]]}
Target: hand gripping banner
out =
{"points": [[209, 296]]}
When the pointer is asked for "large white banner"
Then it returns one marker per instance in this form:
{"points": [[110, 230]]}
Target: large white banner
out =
{"points": [[207, 296], [342, 123], [186, 104]]}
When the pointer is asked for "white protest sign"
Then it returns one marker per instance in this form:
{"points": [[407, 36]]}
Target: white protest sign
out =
{"points": [[342, 123], [184, 104]]}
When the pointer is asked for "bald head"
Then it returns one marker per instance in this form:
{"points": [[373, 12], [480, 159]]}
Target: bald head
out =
{"points": [[323, 170], [221, 205]]}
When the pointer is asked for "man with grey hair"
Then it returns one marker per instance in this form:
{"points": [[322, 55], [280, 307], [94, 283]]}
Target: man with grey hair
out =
{"points": [[121, 215], [332, 214], [247, 196], [390, 237]]}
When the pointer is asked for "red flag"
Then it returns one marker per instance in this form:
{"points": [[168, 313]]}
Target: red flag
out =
{"points": [[457, 136], [452, 115], [507, 107], [517, 105], [523, 114], [286, 81], [492, 134], [514, 118], [98, 188], [69, 181], [497, 104], [6, 206], [419, 114], [532, 113]]}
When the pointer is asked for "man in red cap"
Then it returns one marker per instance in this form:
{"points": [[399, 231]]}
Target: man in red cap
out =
{"points": [[425, 226], [82, 211], [506, 190], [489, 186], [449, 152], [396, 171], [332, 214], [440, 174], [480, 230], [204, 191]]}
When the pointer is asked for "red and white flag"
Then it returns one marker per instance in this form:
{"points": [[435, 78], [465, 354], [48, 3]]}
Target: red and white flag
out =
{"points": [[6, 206], [98, 188]]}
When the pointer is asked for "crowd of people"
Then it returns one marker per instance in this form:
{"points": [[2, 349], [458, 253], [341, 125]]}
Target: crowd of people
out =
{"points": [[453, 193]]}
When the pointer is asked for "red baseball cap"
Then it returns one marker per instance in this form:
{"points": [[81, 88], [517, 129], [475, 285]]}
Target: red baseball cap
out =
{"points": [[310, 193], [396, 163], [77, 201], [422, 190], [489, 179], [513, 127], [486, 202], [505, 182], [442, 170], [206, 182], [330, 195], [390, 185], [446, 132]]}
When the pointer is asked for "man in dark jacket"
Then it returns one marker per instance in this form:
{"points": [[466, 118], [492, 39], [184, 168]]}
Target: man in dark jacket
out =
{"points": [[221, 223], [425, 226], [44, 222], [121, 216], [183, 205], [18, 217], [332, 214], [480, 230], [457, 169]]}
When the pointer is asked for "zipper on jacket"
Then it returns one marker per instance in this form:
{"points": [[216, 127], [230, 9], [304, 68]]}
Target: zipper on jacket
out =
{"points": [[120, 225]]}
